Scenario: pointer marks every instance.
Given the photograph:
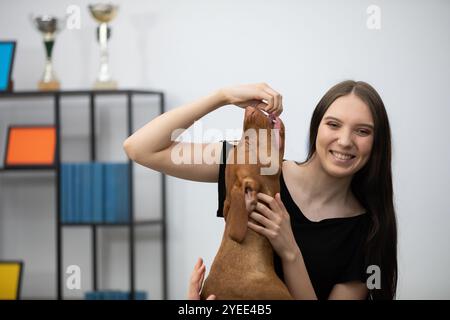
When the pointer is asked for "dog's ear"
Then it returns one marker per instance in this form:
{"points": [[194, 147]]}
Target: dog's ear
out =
{"points": [[243, 202], [237, 216]]}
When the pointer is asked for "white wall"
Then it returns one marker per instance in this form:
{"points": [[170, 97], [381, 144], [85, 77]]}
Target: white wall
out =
{"points": [[301, 48]]}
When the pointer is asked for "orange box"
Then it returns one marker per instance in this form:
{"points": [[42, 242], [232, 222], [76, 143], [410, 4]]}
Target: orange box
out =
{"points": [[30, 145]]}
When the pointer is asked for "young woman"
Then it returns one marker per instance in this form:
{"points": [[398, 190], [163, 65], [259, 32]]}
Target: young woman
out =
{"points": [[334, 215]]}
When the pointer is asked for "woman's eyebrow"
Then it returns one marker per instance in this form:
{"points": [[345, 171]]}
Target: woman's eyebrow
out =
{"points": [[358, 124]]}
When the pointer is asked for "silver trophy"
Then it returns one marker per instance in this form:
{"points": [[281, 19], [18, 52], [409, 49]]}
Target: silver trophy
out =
{"points": [[103, 14], [49, 26]]}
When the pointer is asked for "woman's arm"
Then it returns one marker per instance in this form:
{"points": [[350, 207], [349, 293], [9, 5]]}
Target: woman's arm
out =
{"points": [[152, 145], [296, 277], [155, 136], [276, 226], [352, 290]]}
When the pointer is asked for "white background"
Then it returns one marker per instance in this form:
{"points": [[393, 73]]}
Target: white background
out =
{"points": [[189, 48]]}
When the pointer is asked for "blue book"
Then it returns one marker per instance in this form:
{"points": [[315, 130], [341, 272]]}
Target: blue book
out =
{"points": [[97, 192], [81, 217], [113, 193], [108, 184], [90, 295], [70, 200], [76, 217], [66, 184], [140, 295], [123, 183], [73, 213], [87, 193], [109, 295], [63, 192], [116, 192], [90, 206]]}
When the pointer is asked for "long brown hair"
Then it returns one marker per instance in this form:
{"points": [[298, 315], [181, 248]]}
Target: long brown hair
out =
{"points": [[372, 185]]}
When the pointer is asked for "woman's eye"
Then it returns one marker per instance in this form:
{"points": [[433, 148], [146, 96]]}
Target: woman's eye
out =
{"points": [[363, 132], [332, 124]]}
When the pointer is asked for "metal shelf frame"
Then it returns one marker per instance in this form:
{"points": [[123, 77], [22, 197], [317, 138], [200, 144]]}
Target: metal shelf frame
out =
{"points": [[92, 94]]}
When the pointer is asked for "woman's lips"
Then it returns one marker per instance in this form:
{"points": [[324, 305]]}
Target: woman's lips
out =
{"points": [[342, 157]]}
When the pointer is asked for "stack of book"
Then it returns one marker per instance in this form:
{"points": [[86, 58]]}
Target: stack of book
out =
{"points": [[94, 192], [114, 295]]}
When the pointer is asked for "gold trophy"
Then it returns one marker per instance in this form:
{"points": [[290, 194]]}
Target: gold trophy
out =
{"points": [[49, 26], [103, 14]]}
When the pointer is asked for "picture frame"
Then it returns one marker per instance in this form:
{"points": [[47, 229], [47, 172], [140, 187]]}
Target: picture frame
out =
{"points": [[11, 274], [30, 146], [7, 53]]}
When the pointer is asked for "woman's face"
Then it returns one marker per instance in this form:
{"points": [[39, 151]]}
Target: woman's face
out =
{"points": [[345, 136]]}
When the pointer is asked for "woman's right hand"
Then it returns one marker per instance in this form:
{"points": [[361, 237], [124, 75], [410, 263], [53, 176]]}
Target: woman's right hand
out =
{"points": [[258, 95]]}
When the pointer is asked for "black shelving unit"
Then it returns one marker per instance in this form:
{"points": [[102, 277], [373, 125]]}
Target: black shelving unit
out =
{"points": [[92, 94]]}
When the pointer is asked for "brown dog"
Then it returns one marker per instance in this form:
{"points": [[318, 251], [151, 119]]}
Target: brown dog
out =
{"points": [[243, 267]]}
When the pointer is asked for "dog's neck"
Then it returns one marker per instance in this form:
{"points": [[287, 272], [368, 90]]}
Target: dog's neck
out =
{"points": [[254, 246]]}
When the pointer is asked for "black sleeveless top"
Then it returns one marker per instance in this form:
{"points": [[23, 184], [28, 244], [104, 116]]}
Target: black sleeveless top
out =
{"points": [[333, 249]]}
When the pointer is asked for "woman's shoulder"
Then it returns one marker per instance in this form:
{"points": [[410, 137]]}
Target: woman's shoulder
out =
{"points": [[288, 166]]}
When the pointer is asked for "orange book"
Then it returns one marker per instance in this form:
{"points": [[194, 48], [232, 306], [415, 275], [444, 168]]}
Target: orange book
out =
{"points": [[31, 146]]}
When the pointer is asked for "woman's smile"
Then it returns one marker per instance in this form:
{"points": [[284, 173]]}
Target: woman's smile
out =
{"points": [[342, 158]]}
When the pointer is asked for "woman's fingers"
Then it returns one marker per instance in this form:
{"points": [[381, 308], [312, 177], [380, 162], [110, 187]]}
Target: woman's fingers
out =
{"points": [[199, 263], [262, 220], [258, 229], [280, 110], [202, 277], [277, 106], [196, 283], [264, 211], [268, 233], [280, 203], [198, 273], [273, 204], [253, 95], [195, 273], [277, 99]]}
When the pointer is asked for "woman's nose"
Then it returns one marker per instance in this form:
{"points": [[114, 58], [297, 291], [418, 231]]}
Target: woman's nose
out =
{"points": [[345, 139]]}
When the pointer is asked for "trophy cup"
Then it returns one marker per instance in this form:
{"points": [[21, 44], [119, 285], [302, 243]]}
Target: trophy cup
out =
{"points": [[103, 14], [49, 27]]}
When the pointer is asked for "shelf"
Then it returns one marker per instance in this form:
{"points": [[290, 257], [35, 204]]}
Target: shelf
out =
{"points": [[75, 93], [27, 168], [55, 98], [122, 224]]}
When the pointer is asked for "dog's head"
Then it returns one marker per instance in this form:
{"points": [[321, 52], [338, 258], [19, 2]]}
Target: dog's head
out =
{"points": [[262, 145], [269, 130]]}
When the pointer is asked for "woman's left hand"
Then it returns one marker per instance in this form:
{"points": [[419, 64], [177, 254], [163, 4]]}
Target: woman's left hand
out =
{"points": [[196, 281], [275, 224]]}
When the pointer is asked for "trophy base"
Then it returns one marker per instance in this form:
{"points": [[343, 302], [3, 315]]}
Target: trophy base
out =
{"points": [[48, 86], [105, 85]]}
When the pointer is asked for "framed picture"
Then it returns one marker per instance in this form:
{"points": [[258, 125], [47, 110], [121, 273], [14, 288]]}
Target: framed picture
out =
{"points": [[30, 146], [7, 51], [10, 279]]}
